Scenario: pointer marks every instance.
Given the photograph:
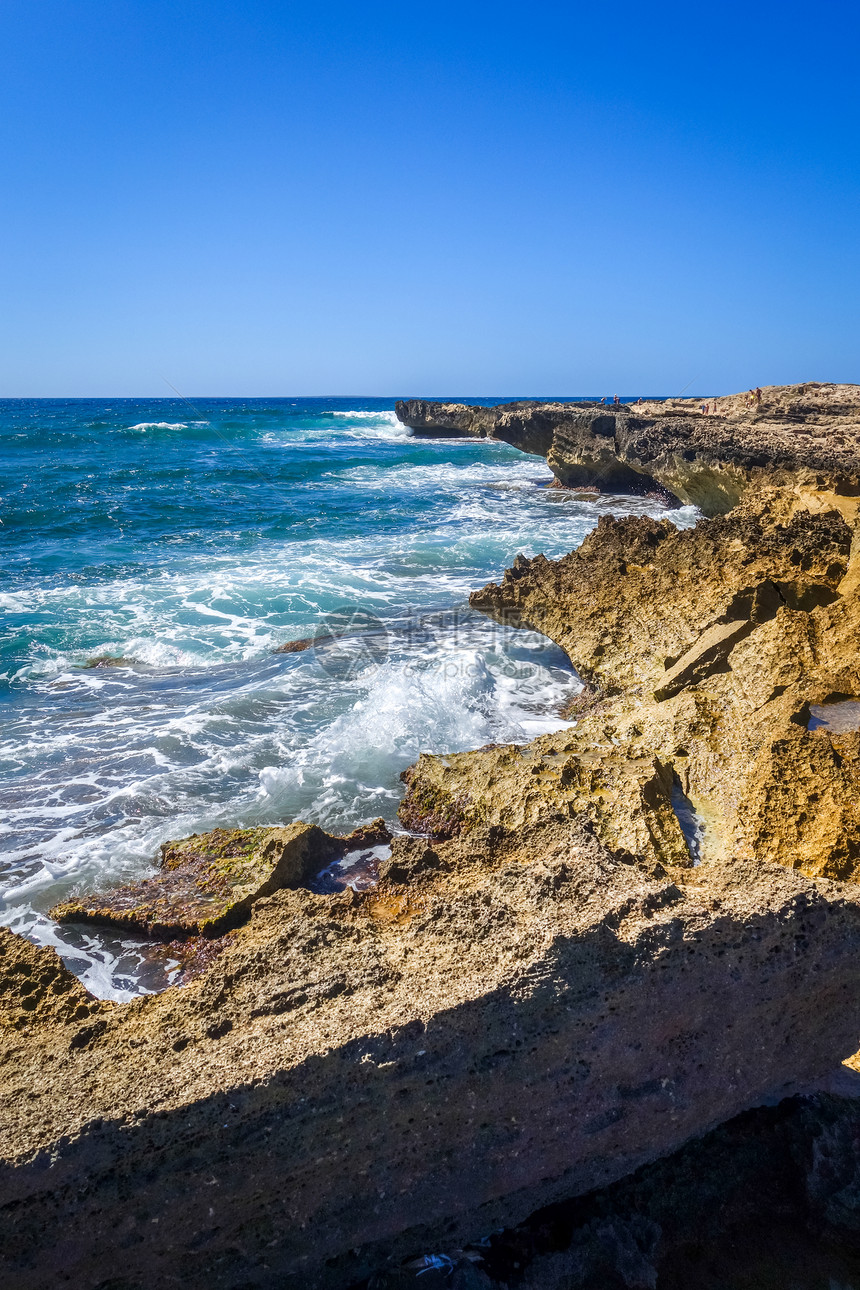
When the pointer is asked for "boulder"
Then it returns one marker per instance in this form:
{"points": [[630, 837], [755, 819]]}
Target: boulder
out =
{"points": [[207, 883]]}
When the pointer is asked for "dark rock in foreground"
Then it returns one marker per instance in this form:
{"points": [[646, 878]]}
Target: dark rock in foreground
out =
{"points": [[553, 989], [359, 1076], [768, 1200]]}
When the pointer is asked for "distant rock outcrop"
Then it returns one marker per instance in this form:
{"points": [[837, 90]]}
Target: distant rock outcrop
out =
{"points": [[806, 433]]}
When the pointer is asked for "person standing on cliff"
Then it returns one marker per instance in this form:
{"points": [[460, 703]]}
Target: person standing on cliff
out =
{"points": [[758, 394], [615, 400]]}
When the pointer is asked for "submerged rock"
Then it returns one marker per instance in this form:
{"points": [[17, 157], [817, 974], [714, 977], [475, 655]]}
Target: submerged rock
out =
{"points": [[110, 660]]}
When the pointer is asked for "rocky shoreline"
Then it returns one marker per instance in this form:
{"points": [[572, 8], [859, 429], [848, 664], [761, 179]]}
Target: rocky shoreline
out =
{"points": [[796, 435], [549, 989]]}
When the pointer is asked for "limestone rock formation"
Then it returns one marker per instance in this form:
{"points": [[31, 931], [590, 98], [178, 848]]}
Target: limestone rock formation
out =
{"points": [[561, 980], [806, 433], [360, 1077], [709, 648], [208, 882]]}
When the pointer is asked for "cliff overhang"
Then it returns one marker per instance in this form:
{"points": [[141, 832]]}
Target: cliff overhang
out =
{"points": [[807, 433]]}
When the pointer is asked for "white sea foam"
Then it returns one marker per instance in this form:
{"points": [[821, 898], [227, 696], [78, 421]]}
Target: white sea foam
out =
{"points": [[16, 604], [444, 475], [390, 417], [165, 425], [111, 967], [450, 694], [373, 425]]}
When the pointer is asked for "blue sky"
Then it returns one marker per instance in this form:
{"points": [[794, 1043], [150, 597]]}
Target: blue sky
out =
{"points": [[293, 198]]}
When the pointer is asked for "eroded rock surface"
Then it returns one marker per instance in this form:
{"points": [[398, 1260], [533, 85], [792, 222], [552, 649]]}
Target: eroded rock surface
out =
{"points": [[359, 1076], [208, 882], [807, 433], [708, 649]]}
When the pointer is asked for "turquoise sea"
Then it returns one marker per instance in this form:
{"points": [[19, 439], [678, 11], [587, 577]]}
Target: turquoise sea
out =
{"points": [[194, 538]]}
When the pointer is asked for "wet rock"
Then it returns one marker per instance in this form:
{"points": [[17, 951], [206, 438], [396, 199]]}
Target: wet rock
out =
{"points": [[376, 833], [208, 882], [110, 660], [295, 647]]}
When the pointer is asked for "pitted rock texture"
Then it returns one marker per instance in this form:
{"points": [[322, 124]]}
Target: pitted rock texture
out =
{"points": [[807, 433], [360, 1076], [709, 647], [626, 799], [209, 882], [765, 1201], [543, 994]]}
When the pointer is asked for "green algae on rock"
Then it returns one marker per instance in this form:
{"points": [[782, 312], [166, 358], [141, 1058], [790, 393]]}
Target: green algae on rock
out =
{"points": [[208, 882]]}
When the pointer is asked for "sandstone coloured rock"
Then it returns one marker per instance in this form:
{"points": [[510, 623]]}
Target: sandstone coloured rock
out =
{"points": [[208, 882], [360, 1077], [808, 433]]}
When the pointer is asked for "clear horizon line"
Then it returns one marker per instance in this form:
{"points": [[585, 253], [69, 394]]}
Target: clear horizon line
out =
{"points": [[168, 398]]}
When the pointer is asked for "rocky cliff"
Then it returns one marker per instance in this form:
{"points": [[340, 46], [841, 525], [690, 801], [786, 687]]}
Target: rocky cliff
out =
{"points": [[726, 652], [806, 433], [592, 948]]}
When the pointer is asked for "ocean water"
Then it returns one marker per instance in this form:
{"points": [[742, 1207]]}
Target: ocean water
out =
{"points": [[194, 538]]}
